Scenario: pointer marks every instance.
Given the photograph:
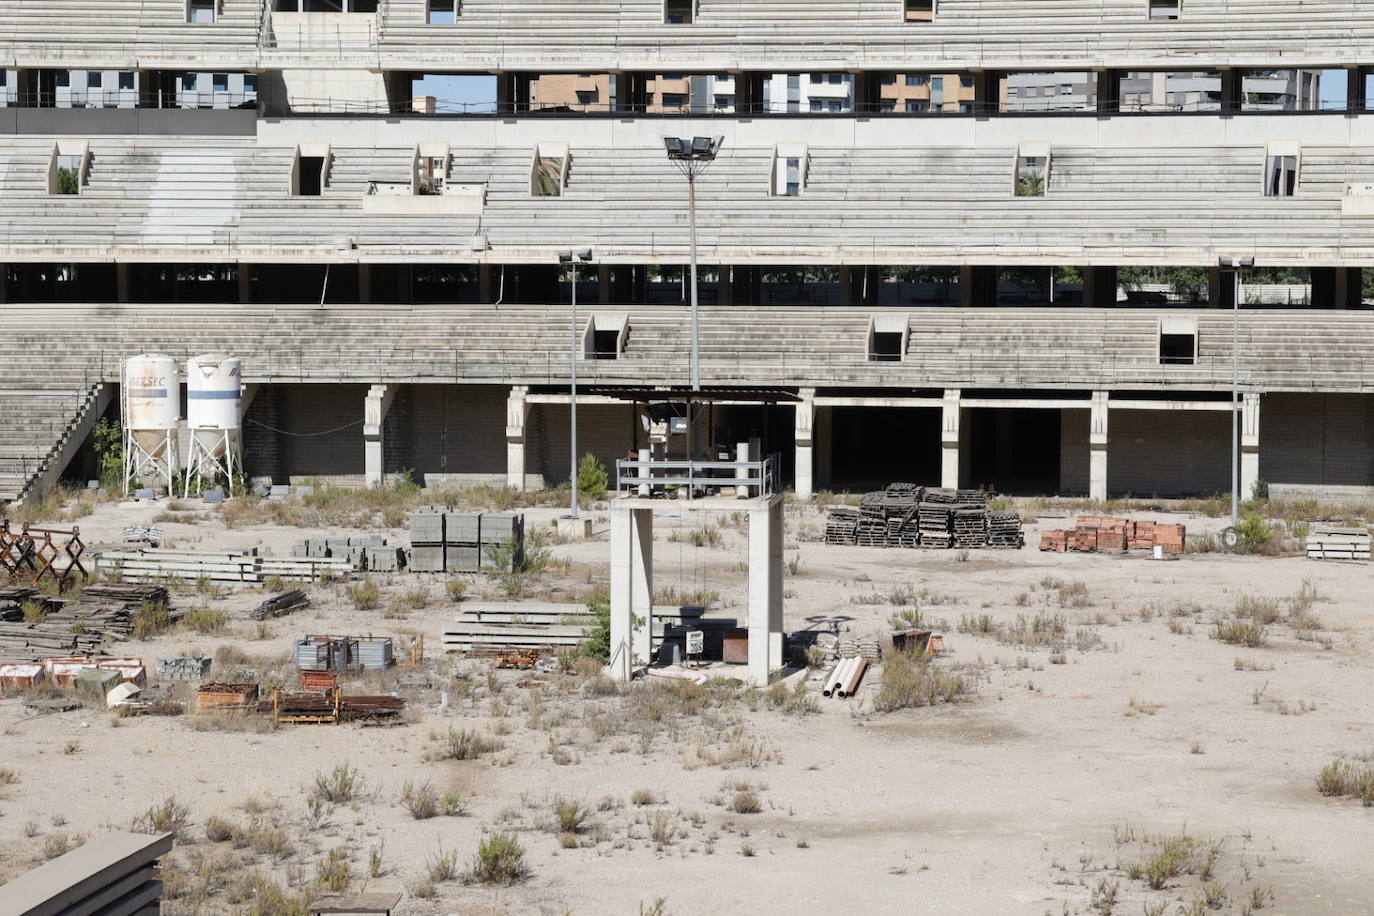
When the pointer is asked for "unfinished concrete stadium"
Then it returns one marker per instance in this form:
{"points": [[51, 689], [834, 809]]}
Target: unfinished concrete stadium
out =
{"points": [[1006, 274]]}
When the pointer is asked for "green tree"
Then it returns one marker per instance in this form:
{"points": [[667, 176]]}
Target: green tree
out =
{"points": [[66, 181], [596, 642], [108, 441], [591, 477]]}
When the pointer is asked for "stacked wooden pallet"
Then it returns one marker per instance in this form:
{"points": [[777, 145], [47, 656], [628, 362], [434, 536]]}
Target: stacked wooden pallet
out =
{"points": [[1328, 542], [243, 569], [905, 515], [101, 614]]}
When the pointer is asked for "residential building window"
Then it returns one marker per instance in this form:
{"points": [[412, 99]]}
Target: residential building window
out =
{"points": [[889, 79], [965, 107], [1164, 9], [917, 106], [918, 10], [202, 11], [250, 83], [790, 162], [887, 105], [817, 78], [585, 98], [93, 79], [965, 82], [678, 12], [674, 100], [915, 79], [818, 104], [188, 82], [126, 79], [219, 82], [1280, 175], [442, 12], [62, 79]]}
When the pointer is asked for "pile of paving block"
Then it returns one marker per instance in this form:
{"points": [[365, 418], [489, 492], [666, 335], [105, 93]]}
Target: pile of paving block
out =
{"points": [[371, 552], [906, 515], [1108, 534], [442, 540]]}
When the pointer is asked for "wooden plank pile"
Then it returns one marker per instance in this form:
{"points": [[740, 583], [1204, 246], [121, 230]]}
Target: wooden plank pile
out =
{"points": [[242, 569], [1328, 542], [905, 515], [1108, 534], [101, 614]]}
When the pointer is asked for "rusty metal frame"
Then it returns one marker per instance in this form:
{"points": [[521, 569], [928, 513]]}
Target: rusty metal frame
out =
{"points": [[32, 555]]}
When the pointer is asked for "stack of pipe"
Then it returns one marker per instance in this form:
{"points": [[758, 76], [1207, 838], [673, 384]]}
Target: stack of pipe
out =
{"points": [[843, 680]]}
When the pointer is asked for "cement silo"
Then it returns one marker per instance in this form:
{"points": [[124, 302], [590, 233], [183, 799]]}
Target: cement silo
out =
{"points": [[214, 411], [150, 407]]}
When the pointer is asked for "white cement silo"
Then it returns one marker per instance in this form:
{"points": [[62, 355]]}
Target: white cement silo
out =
{"points": [[214, 408], [150, 396]]}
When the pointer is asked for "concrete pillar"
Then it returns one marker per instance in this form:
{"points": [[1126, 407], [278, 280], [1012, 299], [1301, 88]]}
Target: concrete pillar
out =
{"points": [[603, 283], [245, 278], [805, 425], [1249, 444], [966, 287], [745, 452], [121, 282], [484, 285], [4, 283], [821, 443], [375, 407], [632, 555], [365, 283], [765, 591], [517, 417], [1097, 447], [1354, 93], [949, 439]]}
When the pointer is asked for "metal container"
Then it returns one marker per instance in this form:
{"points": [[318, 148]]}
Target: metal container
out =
{"points": [[97, 681], [374, 652], [312, 655], [12, 676], [152, 393], [213, 392]]}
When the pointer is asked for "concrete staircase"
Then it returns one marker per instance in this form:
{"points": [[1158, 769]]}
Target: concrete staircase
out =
{"points": [[41, 433]]}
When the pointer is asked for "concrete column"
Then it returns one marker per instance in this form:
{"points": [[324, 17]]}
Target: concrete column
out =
{"points": [[121, 282], [484, 285], [603, 283], [949, 439], [4, 283], [744, 452], [966, 287], [245, 278], [632, 553], [1354, 93], [517, 416], [375, 407], [724, 286], [1249, 444], [1097, 447], [765, 591], [365, 296], [805, 425]]}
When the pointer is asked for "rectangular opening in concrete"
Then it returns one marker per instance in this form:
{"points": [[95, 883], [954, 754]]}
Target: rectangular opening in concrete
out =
{"points": [[1280, 175], [1164, 9], [1013, 450], [918, 10], [442, 12], [870, 447], [679, 12], [202, 11], [1032, 171]]}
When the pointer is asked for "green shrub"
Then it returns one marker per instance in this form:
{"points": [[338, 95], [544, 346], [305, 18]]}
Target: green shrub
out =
{"points": [[456, 589], [365, 595], [500, 860], [204, 620], [168, 817], [596, 638], [910, 681], [333, 873], [1254, 531], [340, 785], [592, 479], [150, 619], [1241, 633], [34, 611]]}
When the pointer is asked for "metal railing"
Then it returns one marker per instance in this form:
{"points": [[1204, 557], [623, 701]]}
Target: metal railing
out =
{"points": [[697, 478]]}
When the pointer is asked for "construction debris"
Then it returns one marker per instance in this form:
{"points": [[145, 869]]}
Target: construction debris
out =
{"points": [[906, 515], [33, 625], [1327, 542], [183, 668], [329, 707], [343, 653], [1108, 534], [442, 540], [495, 628], [41, 554], [226, 697], [281, 604]]}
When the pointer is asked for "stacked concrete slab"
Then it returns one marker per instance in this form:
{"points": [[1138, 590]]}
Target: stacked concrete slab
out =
{"points": [[373, 552], [116, 874], [442, 540]]}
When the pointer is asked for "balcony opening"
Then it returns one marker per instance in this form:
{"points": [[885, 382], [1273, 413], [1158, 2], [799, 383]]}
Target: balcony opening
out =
{"points": [[1062, 90], [1281, 171], [67, 168], [549, 175], [887, 338], [442, 12], [430, 178], [919, 10], [604, 337], [202, 11], [679, 12], [791, 163], [310, 170], [1164, 9], [1032, 170], [1178, 341]]}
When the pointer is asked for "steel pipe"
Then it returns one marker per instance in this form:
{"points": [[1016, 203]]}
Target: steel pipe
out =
{"points": [[828, 681], [855, 676]]}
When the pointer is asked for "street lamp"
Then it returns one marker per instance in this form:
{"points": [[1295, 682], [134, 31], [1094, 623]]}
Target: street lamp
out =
{"points": [[692, 157], [573, 257], [1235, 266]]}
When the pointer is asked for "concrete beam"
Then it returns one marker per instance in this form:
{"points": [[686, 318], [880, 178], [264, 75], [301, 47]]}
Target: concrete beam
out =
{"points": [[375, 407], [632, 610], [1249, 444], [1223, 406], [1097, 447], [949, 438], [804, 475], [517, 417], [834, 401]]}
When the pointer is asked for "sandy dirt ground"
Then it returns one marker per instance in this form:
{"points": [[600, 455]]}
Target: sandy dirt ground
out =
{"points": [[1035, 793]]}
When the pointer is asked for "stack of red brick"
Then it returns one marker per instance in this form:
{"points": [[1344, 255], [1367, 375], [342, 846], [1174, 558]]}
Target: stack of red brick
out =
{"points": [[1107, 534]]}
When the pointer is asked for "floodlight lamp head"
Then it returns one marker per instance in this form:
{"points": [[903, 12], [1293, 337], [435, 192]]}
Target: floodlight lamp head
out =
{"points": [[1247, 263], [677, 147], [585, 254], [564, 257]]}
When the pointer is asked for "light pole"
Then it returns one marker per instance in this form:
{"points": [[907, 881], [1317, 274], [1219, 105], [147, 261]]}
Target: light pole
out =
{"points": [[692, 157], [1235, 266], [571, 257]]}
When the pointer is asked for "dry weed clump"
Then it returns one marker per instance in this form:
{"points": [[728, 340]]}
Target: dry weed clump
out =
{"points": [[500, 861], [341, 785], [1237, 632], [461, 744], [423, 802], [911, 681], [1341, 778], [169, 816]]}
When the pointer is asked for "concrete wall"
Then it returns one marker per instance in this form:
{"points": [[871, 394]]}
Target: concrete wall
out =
{"points": [[454, 430], [1168, 453], [603, 430], [303, 411], [1317, 440]]}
